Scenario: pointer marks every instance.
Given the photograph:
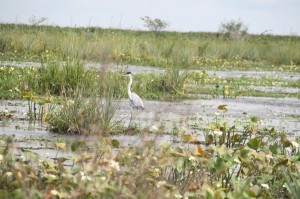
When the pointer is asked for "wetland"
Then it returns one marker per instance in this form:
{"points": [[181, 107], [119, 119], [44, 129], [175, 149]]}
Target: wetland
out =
{"points": [[216, 124]]}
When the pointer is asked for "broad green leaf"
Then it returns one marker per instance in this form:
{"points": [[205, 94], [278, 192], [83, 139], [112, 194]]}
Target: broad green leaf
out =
{"points": [[254, 143], [282, 163], [254, 119], [115, 143], [223, 107], [274, 148], [179, 164]]}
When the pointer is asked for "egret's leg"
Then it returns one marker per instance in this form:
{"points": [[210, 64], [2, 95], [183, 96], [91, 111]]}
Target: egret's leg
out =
{"points": [[130, 116]]}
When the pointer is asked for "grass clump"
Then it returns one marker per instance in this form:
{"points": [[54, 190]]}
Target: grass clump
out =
{"points": [[84, 115], [52, 78]]}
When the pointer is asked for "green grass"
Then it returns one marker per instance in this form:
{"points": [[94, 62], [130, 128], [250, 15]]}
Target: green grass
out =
{"points": [[203, 83], [62, 79], [23, 42]]}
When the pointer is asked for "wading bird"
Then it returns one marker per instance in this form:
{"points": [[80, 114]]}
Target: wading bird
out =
{"points": [[134, 100]]}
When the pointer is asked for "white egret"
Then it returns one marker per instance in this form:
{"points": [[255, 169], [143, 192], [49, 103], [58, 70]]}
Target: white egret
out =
{"points": [[134, 100]]}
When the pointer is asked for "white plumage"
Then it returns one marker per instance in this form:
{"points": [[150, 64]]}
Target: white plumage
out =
{"points": [[134, 100]]}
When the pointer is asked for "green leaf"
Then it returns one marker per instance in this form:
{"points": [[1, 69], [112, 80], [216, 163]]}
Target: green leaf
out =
{"points": [[254, 119], [243, 154], [76, 145], [274, 148], [254, 143], [282, 163], [75, 170], [115, 143], [179, 164], [223, 107]]}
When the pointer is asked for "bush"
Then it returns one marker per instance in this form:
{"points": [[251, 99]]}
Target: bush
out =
{"points": [[234, 29]]}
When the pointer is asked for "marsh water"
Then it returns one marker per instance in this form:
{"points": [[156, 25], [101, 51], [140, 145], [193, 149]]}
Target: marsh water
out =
{"points": [[281, 113], [149, 69]]}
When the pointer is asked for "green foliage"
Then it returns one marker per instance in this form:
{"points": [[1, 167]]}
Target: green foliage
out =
{"points": [[23, 42], [234, 29], [236, 160], [210, 84], [52, 78], [79, 115], [154, 24], [215, 171], [293, 183]]}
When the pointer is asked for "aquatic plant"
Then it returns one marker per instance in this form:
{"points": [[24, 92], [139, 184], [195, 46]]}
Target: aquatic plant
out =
{"points": [[254, 169], [84, 115]]}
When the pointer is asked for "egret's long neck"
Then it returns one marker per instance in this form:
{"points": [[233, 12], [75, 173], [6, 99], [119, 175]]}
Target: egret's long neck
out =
{"points": [[129, 84]]}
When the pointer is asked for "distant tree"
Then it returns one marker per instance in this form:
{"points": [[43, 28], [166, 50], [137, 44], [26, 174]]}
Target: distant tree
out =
{"points": [[234, 29], [33, 20], [155, 25]]}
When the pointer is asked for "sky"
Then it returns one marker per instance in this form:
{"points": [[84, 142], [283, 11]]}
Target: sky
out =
{"points": [[278, 17]]}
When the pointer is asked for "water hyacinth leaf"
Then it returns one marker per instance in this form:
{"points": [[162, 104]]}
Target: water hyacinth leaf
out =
{"points": [[254, 119], [286, 143], [245, 170], [77, 144], [209, 139], [179, 163], [220, 165], [115, 143], [254, 191], [75, 170], [29, 155], [223, 107], [188, 138], [274, 148], [282, 163], [258, 155], [243, 154], [50, 179], [254, 143]]}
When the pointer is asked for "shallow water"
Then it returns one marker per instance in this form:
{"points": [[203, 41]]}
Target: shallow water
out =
{"points": [[148, 69], [281, 113]]}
